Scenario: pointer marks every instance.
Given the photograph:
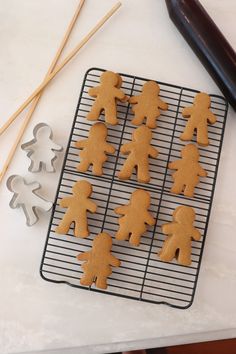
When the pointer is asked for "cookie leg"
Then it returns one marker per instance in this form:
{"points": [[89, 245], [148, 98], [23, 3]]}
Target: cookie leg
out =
{"points": [[167, 252], [81, 228], [177, 187], [184, 256], [151, 122], [135, 239], [138, 119], [63, 227], [101, 282], [110, 114], [83, 166], [126, 171], [97, 168], [143, 175], [122, 234], [95, 112], [188, 132], [87, 279], [189, 190], [202, 135]]}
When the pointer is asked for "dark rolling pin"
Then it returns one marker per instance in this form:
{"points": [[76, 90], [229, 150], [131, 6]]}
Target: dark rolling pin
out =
{"points": [[207, 42]]}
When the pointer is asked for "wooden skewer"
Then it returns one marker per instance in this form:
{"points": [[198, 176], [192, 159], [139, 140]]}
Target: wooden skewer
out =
{"points": [[37, 98], [59, 67]]}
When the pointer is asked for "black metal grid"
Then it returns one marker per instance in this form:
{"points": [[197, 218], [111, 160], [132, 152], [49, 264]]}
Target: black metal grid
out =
{"points": [[142, 275]]}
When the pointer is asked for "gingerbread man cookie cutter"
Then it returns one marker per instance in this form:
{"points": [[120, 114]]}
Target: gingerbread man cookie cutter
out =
{"points": [[41, 149], [26, 197]]}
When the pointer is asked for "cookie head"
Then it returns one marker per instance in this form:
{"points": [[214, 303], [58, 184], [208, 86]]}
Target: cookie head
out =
{"points": [[82, 188], [190, 152], [184, 215], [140, 196], [151, 88], [109, 78], [142, 134], [202, 99], [103, 241], [98, 130]]}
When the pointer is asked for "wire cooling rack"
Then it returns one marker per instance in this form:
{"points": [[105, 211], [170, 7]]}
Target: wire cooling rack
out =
{"points": [[142, 275]]}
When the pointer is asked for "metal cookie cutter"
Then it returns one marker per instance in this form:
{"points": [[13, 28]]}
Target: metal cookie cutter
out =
{"points": [[26, 197], [41, 149]]}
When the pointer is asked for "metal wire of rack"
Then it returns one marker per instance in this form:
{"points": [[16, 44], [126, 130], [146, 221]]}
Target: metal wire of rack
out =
{"points": [[142, 276]]}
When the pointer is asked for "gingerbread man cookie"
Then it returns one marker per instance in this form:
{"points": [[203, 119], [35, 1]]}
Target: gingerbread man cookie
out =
{"points": [[106, 97], [139, 149], [147, 104], [180, 233], [136, 217], [188, 171], [94, 149], [198, 115], [77, 206], [98, 261]]}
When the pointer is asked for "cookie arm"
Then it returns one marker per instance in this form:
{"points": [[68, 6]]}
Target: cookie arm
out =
{"points": [[202, 172], [83, 256], [93, 91], [65, 202], [91, 206], [187, 111], [118, 93], [211, 117], [109, 148], [149, 219], [174, 165], [115, 262], [163, 105], [122, 210], [133, 99], [152, 152], [168, 229], [80, 144], [196, 234], [126, 148]]}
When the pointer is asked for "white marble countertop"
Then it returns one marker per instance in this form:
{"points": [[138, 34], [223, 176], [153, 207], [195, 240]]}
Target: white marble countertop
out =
{"points": [[141, 40]]}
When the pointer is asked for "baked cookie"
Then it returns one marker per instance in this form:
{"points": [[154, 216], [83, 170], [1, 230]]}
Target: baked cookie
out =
{"points": [[98, 261], [106, 95], [188, 171], [139, 149], [180, 233], [147, 104], [198, 115], [94, 149], [77, 206], [136, 217]]}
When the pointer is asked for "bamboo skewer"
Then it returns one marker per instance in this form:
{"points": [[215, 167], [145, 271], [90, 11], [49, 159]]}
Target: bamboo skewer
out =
{"points": [[52, 72], [60, 66], [37, 98]]}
